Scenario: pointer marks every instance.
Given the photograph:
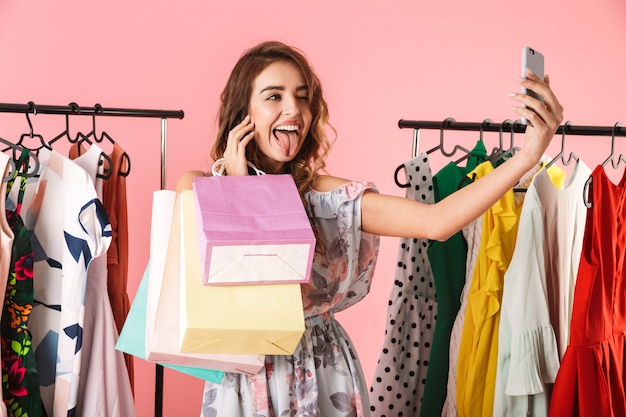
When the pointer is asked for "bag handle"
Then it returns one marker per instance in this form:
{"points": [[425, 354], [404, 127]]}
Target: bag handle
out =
{"points": [[219, 167]]}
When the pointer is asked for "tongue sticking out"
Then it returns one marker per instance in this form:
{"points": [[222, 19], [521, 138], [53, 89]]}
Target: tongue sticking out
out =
{"points": [[288, 141]]}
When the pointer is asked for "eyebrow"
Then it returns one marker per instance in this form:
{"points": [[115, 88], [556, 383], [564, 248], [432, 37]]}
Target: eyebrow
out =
{"points": [[281, 88]]}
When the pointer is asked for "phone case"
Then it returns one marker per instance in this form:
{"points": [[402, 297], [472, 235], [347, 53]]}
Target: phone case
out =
{"points": [[533, 59]]}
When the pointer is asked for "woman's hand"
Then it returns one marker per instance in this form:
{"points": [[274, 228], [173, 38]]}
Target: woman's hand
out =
{"points": [[543, 120], [235, 152]]}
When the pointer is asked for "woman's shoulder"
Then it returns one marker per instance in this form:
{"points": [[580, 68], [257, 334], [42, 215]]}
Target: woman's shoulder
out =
{"points": [[326, 183], [185, 180]]}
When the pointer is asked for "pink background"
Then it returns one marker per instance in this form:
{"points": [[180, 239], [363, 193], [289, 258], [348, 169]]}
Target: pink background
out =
{"points": [[379, 62]]}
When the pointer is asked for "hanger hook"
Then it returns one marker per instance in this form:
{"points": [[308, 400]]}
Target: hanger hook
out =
{"points": [[32, 108], [445, 123], [97, 110], [502, 126], [483, 125], [610, 157]]}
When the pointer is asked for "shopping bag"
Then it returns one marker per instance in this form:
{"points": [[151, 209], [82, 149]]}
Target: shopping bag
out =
{"points": [[132, 336], [252, 229], [162, 310], [257, 318]]}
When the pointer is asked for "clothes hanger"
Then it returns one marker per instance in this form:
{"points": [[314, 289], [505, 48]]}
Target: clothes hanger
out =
{"points": [[74, 108], [483, 125], [105, 160], [125, 170], [440, 146], [43, 144], [416, 145], [561, 154], [497, 152], [589, 182]]}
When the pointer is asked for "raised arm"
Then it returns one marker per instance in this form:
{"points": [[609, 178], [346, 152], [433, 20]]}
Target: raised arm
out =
{"points": [[397, 216]]}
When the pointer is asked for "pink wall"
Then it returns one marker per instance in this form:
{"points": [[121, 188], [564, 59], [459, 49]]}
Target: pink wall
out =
{"points": [[380, 62]]}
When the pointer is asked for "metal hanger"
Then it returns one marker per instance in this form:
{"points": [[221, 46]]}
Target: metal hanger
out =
{"points": [[74, 108], [440, 146], [561, 154], [497, 152], [43, 144], [589, 182], [125, 158], [483, 125]]}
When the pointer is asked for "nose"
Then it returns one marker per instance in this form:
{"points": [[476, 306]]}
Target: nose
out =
{"points": [[291, 107]]}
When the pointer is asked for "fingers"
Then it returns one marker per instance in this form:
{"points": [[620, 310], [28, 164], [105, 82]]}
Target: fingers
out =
{"points": [[548, 113], [241, 132], [235, 152]]}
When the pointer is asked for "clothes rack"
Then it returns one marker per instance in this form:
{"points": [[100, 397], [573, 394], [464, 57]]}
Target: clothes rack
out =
{"points": [[99, 110], [507, 126]]}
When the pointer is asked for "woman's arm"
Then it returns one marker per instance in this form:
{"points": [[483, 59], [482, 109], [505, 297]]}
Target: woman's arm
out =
{"points": [[396, 216]]}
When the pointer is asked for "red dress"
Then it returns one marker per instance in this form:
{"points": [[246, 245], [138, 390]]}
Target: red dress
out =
{"points": [[591, 379]]}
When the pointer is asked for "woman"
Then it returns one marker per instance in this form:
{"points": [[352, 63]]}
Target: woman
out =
{"points": [[273, 116]]}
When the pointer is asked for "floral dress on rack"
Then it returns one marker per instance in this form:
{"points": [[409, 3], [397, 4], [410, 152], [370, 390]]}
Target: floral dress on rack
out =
{"points": [[323, 377], [20, 384]]}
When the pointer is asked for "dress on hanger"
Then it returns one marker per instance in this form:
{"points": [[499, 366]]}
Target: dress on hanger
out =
{"points": [[591, 379], [473, 235], [6, 243], [104, 386], [400, 374], [448, 262], [68, 228], [323, 376], [115, 204], [528, 357], [476, 371], [20, 383]]}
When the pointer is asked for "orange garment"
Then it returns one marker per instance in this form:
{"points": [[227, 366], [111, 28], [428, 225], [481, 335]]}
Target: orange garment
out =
{"points": [[115, 204]]}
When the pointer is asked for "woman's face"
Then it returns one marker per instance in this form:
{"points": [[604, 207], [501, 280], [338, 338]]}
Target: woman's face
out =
{"points": [[279, 108]]}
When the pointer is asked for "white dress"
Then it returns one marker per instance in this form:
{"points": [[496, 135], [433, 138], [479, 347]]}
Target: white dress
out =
{"points": [[104, 387], [69, 228], [540, 278]]}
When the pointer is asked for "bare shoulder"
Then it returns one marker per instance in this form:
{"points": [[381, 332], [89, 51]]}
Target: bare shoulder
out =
{"points": [[325, 183], [185, 181]]}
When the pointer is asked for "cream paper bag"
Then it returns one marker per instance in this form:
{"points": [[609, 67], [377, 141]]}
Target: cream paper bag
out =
{"points": [[162, 309], [261, 319]]}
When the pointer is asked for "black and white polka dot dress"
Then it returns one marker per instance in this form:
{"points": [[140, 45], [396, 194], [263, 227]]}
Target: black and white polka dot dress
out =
{"points": [[400, 374]]}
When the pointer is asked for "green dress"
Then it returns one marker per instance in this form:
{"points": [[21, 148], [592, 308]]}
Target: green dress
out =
{"points": [[447, 261], [20, 384]]}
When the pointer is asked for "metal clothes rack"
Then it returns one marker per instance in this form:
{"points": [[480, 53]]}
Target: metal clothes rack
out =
{"points": [[99, 110], [506, 126]]}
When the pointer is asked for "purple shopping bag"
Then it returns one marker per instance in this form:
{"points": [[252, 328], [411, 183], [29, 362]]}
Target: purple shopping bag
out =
{"points": [[252, 230]]}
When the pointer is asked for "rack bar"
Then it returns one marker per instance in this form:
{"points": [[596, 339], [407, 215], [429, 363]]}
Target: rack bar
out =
{"points": [[510, 126], [98, 110]]}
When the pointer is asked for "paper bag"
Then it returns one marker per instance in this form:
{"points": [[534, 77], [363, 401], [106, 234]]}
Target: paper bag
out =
{"points": [[261, 319], [252, 229], [132, 336], [162, 310]]}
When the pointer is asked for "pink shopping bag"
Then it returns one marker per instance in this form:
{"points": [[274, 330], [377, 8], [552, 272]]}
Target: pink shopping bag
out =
{"points": [[252, 230]]}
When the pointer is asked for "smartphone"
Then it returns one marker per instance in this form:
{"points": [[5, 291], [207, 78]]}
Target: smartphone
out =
{"points": [[533, 59]]}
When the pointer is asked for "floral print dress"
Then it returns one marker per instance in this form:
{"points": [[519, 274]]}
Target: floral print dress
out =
{"points": [[323, 377], [20, 383]]}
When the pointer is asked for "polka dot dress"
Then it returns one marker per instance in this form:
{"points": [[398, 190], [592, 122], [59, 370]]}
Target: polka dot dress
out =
{"points": [[400, 374]]}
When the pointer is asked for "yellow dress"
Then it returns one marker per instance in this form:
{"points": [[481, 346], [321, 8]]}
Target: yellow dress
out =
{"points": [[478, 351]]}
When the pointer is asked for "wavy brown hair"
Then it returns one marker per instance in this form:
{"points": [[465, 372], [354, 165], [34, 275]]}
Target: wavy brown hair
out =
{"points": [[235, 98]]}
